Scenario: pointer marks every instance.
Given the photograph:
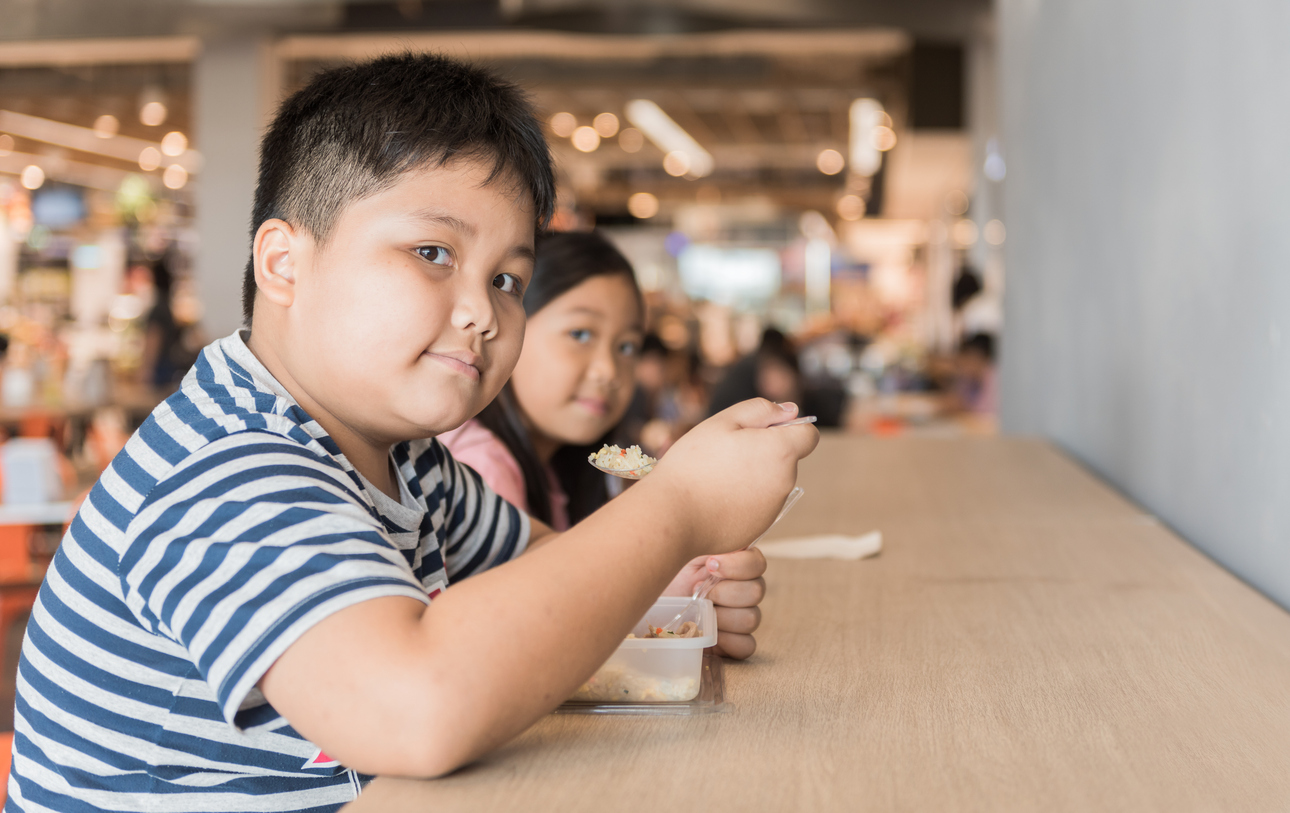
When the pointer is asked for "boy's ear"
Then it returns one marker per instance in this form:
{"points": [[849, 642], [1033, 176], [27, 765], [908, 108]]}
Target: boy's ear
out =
{"points": [[276, 252]]}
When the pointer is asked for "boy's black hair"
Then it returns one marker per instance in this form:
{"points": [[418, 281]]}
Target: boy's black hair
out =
{"points": [[353, 131], [564, 260]]}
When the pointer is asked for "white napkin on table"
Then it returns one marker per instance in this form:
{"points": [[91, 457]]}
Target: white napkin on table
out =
{"points": [[824, 546]]}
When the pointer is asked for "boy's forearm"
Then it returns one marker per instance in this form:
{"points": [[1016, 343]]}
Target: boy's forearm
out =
{"points": [[539, 534], [553, 615], [491, 655]]}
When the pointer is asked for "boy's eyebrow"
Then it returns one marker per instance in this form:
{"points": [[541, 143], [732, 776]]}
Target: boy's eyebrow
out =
{"points": [[435, 217]]}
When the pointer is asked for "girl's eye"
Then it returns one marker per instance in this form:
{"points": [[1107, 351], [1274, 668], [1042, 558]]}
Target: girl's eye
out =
{"points": [[507, 283], [581, 335], [629, 348], [435, 254]]}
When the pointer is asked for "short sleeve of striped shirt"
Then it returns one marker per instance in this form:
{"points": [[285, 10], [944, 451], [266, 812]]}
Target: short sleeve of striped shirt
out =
{"points": [[481, 530], [247, 544]]}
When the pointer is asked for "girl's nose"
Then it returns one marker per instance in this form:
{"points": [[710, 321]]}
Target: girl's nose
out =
{"points": [[604, 368]]}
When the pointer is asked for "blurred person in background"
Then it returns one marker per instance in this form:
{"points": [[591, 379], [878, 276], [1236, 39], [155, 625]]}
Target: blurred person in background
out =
{"points": [[571, 387], [975, 388], [670, 398], [166, 353], [770, 372]]}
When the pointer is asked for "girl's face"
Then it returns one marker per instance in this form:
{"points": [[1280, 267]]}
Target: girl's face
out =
{"points": [[574, 378]]}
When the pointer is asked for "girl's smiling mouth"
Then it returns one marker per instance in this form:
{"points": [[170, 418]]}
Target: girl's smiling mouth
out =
{"points": [[596, 406], [462, 362]]}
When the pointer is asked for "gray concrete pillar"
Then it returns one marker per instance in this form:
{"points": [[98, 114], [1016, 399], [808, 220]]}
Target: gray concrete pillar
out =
{"points": [[236, 85]]}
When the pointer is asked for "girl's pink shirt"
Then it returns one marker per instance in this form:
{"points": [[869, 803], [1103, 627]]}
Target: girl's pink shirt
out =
{"points": [[477, 447]]}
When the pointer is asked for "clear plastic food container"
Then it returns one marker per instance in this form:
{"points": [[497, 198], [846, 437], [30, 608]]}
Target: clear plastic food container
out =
{"points": [[655, 670]]}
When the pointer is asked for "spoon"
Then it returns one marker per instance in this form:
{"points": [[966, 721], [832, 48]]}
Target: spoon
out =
{"points": [[641, 471], [701, 592]]}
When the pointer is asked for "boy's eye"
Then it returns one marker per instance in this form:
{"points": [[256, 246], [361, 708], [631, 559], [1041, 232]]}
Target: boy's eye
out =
{"points": [[435, 254], [507, 283], [629, 348], [580, 335]]}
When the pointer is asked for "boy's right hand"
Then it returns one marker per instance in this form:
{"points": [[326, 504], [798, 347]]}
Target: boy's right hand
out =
{"points": [[730, 474]]}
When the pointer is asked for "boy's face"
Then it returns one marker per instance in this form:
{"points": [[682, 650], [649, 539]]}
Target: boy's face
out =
{"points": [[409, 319]]}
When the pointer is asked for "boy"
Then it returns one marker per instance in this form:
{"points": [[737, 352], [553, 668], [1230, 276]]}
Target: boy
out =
{"points": [[240, 615]]}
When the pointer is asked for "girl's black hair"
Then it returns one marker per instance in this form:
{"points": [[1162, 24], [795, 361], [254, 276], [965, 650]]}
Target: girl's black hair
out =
{"points": [[564, 261]]}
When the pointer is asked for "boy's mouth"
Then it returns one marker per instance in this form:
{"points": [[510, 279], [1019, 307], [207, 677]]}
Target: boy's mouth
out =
{"points": [[462, 362]]}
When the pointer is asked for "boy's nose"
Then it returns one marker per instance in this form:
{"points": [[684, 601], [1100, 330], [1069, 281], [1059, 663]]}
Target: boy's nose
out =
{"points": [[473, 312]]}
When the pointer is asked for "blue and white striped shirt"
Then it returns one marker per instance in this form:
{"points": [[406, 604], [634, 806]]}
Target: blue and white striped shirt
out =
{"points": [[229, 525]]}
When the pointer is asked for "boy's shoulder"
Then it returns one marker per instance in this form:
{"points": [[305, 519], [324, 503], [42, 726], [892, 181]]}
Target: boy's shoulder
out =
{"points": [[228, 391], [227, 404]]}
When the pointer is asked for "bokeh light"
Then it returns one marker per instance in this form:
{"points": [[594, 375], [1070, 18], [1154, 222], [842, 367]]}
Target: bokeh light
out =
{"points": [[642, 205], [563, 124], [106, 126], [830, 162], [174, 143], [174, 177], [153, 114], [606, 125], [676, 163], [32, 176], [149, 159], [585, 139], [631, 140]]}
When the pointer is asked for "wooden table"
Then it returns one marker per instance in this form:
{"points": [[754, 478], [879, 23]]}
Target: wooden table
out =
{"points": [[1027, 640]]}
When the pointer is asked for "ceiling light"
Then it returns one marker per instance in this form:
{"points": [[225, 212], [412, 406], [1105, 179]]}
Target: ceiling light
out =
{"points": [[606, 125], [563, 124], [642, 205], [32, 176], [631, 140], [830, 162], [669, 136], [851, 207], [884, 138], [174, 143], [174, 177], [106, 126], [149, 159], [153, 114], [866, 114], [585, 139], [84, 139], [6, 144], [676, 163]]}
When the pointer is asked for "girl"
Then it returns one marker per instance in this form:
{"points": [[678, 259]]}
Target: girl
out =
{"points": [[571, 387], [569, 391]]}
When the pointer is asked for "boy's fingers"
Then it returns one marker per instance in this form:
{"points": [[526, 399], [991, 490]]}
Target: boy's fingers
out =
{"points": [[733, 645], [741, 564], [758, 413], [740, 620], [738, 592]]}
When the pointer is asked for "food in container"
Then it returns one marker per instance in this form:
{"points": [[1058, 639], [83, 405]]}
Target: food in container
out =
{"points": [[665, 668]]}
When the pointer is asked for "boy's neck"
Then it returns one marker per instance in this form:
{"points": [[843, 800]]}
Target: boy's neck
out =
{"points": [[370, 458]]}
